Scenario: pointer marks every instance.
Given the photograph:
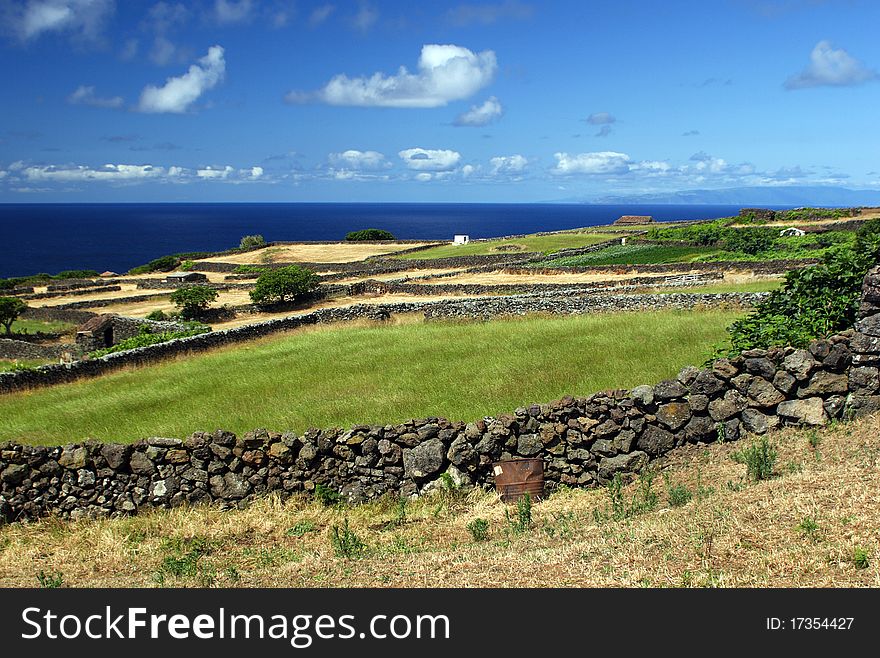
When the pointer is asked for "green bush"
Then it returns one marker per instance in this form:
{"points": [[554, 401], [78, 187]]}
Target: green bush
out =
{"points": [[161, 264], [283, 284], [750, 241], [814, 301], [76, 274], [193, 300], [249, 269], [158, 315], [145, 339], [369, 234], [187, 265], [252, 242]]}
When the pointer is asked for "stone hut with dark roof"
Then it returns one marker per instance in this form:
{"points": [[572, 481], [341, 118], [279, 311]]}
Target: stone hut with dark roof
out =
{"points": [[186, 277], [634, 219], [107, 330]]}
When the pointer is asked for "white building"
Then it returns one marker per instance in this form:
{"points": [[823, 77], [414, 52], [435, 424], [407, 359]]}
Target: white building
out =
{"points": [[461, 239], [791, 231]]}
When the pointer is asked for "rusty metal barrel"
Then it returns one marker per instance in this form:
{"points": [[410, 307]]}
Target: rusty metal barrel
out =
{"points": [[515, 477]]}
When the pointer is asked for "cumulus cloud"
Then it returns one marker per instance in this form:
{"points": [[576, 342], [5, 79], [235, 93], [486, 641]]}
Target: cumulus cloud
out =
{"points": [[480, 115], [359, 160], [487, 14], [426, 160], [600, 162], [178, 94], [209, 172], [830, 67], [83, 18], [508, 164], [85, 95], [106, 173], [446, 73], [230, 11]]}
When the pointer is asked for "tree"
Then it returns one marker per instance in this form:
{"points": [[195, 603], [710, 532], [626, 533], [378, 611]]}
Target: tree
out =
{"points": [[10, 309], [369, 234], [252, 241], [283, 284], [193, 300]]}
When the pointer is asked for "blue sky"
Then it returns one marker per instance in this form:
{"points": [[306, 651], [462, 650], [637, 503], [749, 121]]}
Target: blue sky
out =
{"points": [[509, 100]]}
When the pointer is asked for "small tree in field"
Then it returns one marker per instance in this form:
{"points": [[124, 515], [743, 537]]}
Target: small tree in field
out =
{"points": [[193, 300], [10, 309], [251, 241], [283, 284], [369, 234]]}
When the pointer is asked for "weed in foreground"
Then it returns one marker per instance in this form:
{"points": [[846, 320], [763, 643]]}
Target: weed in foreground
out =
{"points": [[50, 580], [479, 529], [808, 527], [860, 558], [346, 543], [759, 459], [522, 522]]}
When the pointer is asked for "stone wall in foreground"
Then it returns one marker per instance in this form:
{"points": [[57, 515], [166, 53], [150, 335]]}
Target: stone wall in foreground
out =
{"points": [[582, 441]]}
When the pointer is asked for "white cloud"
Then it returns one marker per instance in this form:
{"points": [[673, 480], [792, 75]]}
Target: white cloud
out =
{"points": [[480, 115], [423, 177], [84, 18], [107, 173], [601, 162], [600, 119], [163, 51], [209, 172], [359, 160], [178, 94], [830, 67], [508, 164], [254, 172], [365, 17], [421, 159], [3, 174], [320, 14], [230, 11], [85, 95], [446, 73]]}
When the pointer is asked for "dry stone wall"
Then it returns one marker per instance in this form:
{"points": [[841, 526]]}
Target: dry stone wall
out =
{"points": [[582, 441]]}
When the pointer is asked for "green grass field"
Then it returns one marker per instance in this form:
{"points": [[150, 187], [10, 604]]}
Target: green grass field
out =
{"points": [[533, 243], [34, 326], [369, 374], [7, 365], [764, 285], [633, 254]]}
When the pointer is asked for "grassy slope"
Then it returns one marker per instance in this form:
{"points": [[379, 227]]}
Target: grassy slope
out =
{"points": [[33, 326], [369, 374], [633, 254], [800, 529], [542, 243], [761, 285]]}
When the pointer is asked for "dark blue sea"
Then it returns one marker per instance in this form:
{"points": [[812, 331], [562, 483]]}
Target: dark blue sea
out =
{"points": [[54, 237]]}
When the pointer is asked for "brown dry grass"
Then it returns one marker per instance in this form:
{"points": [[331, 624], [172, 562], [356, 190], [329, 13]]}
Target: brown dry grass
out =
{"points": [[340, 252], [498, 277], [734, 534]]}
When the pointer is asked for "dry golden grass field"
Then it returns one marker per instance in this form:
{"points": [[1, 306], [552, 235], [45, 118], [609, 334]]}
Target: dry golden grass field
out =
{"points": [[814, 524]]}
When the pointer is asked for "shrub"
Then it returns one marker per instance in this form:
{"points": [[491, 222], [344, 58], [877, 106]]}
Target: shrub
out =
{"points": [[146, 339], [161, 264], [759, 459], [252, 242], [326, 496], [678, 494], [10, 309], [369, 234], [158, 315], [76, 274], [248, 269], [187, 265], [50, 580], [749, 240], [193, 300], [479, 529], [283, 284], [815, 301]]}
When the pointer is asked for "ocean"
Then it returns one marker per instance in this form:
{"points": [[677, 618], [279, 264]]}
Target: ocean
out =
{"points": [[55, 237]]}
